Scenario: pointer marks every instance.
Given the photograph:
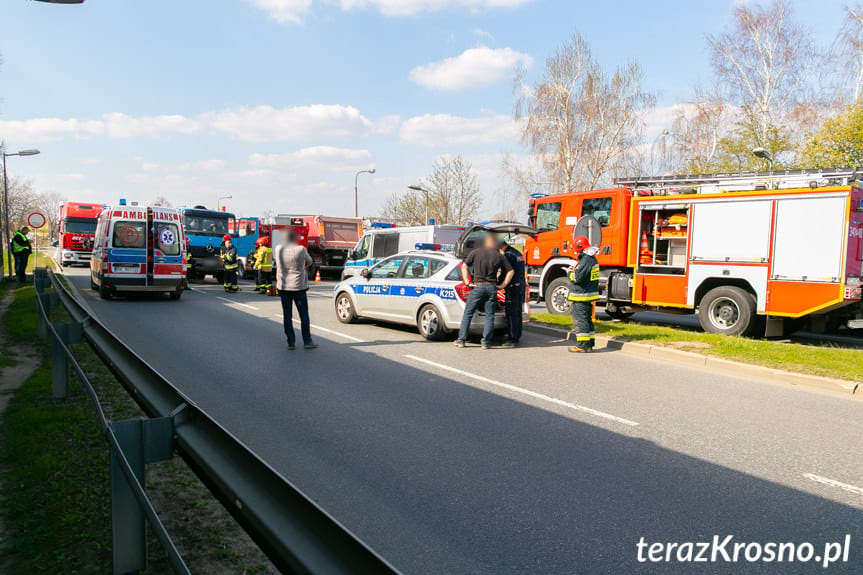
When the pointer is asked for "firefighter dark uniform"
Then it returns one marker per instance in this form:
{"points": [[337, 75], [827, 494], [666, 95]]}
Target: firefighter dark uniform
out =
{"points": [[264, 266], [231, 262], [514, 296], [583, 292]]}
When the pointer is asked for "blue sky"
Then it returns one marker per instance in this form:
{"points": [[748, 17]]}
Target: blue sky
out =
{"points": [[279, 102]]}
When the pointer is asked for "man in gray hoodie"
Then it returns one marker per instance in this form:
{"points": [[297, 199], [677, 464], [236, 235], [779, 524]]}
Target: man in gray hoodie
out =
{"points": [[290, 261]]}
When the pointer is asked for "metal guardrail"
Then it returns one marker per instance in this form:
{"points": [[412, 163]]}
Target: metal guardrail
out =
{"points": [[294, 532]]}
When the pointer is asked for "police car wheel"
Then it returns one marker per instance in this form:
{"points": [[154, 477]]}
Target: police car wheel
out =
{"points": [[555, 296], [430, 323], [345, 309]]}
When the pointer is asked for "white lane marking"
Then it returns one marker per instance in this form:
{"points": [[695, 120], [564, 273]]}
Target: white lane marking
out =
{"points": [[527, 392], [833, 483], [325, 330], [236, 302]]}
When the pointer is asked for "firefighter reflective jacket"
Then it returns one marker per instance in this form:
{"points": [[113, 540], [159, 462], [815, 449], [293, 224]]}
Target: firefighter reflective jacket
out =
{"points": [[229, 257], [264, 259], [584, 279], [20, 243]]}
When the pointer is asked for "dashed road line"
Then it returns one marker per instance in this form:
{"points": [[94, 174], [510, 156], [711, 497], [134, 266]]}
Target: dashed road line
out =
{"points": [[833, 483], [236, 302], [325, 330], [534, 394]]}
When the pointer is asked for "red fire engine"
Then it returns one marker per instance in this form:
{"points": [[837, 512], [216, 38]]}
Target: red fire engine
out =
{"points": [[77, 225], [746, 251]]}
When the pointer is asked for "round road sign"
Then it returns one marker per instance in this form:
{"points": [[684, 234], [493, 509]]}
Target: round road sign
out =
{"points": [[36, 220]]}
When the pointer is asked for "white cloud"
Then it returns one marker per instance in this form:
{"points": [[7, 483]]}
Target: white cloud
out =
{"points": [[42, 129], [209, 165], [268, 124], [446, 130], [118, 125], [484, 34], [316, 157], [474, 68], [412, 7], [283, 11]]}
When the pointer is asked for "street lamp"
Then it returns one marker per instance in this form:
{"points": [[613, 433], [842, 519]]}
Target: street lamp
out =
{"points": [[764, 155], [356, 183], [219, 201], [8, 245], [426, 192]]}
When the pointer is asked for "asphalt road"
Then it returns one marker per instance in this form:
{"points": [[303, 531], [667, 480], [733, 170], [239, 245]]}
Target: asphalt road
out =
{"points": [[510, 461]]}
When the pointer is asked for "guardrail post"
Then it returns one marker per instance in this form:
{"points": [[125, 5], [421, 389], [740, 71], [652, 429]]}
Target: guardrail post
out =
{"points": [[47, 301], [67, 334], [142, 441]]}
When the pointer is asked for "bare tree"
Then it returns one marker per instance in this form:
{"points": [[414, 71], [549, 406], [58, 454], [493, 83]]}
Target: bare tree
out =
{"points": [[49, 204], [696, 130], [851, 51], [22, 200], [454, 195], [581, 122], [162, 201], [765, 60]]}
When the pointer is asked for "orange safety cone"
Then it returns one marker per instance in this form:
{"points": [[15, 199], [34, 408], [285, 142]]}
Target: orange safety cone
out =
{"points": [[318, 277], [645, 253]]}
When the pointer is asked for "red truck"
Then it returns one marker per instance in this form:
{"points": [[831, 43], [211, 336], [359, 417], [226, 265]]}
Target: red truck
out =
{"points": [[329, 240], [76, 228]]}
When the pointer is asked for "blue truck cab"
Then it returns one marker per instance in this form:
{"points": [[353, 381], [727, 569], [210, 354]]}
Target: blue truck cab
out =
{"points": [[205, 229]]}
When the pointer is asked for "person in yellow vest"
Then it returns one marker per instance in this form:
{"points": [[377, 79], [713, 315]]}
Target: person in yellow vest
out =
{"points": [[264, 266], [188, 258], [228, 255], [21, 250]]}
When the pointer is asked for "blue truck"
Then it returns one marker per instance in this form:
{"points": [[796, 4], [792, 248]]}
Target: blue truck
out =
{"points": [[205, 229]]}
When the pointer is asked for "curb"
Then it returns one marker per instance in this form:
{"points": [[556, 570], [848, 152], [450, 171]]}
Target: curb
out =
{"points": [[715, 364]]}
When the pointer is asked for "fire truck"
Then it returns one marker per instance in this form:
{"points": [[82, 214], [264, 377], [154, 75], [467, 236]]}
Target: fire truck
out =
{"points": [[329, 240], [750, 253], [76, 227]]}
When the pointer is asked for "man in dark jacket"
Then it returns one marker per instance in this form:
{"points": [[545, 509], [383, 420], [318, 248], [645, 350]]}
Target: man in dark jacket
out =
{"points": [[514, 293], [21, 250], [583, 292]]}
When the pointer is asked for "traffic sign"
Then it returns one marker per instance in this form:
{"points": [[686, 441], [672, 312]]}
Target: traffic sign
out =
{"points": [[36, 220]]}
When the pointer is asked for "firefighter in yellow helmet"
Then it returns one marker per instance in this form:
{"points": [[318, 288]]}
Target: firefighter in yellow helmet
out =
{"points": [[264, 266], [583, 292]]}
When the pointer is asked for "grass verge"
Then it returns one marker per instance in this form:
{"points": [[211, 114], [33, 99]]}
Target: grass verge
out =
{"points": [[826, 360]]}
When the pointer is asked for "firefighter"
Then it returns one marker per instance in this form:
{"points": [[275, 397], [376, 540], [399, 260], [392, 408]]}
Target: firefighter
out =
{"points": [[264, 265], [583, 292], [21, 250], [514, 293], [188, 264], [228, 255]]}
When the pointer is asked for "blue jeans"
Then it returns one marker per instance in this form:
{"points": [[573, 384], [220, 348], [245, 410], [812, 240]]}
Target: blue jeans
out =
{"points": [[301, 300], [481, 295]]}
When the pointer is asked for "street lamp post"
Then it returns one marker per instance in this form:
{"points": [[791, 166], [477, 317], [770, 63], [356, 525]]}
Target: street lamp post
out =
{"points": [[426, 192], [8, 245], [356, 192], [219, 201], [764, 154]]}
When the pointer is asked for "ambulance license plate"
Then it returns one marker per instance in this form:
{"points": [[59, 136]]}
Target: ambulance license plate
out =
{"points": [[125, 268]]}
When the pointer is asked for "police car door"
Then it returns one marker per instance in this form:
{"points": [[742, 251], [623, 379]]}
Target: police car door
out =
{"points": [[412, 283], [373, 293]]}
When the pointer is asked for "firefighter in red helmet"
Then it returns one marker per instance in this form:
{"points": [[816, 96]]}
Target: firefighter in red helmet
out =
{"points": [[263, 266], [583, 293], [231, 262]]}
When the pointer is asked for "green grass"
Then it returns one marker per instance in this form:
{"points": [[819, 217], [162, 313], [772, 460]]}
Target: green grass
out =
{"points": [[826, 359]]}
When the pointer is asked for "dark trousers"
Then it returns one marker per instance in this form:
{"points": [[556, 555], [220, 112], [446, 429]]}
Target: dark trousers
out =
{"points": [[21, 265], [514, 303], [231, 279], [301, 300], [264, 279], [485, 296], [582, 323]]}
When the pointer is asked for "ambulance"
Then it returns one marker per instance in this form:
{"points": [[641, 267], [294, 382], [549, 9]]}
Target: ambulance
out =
{"points": [[138, 249]]}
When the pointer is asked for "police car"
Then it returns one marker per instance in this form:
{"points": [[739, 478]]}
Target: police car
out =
{"points": [[422, 287]]}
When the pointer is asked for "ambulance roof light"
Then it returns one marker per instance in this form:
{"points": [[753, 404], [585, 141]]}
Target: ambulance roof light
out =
{"points": [[122, 201]]}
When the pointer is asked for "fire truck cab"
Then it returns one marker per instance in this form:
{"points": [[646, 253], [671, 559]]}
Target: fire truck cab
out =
{"points": [[749, 253]]}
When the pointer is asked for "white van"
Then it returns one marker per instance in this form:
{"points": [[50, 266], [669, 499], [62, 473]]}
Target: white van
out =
{"points": [[379, 243]]}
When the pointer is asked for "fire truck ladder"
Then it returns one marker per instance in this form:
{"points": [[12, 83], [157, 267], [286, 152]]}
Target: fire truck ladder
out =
{"points": [[743, 181]]}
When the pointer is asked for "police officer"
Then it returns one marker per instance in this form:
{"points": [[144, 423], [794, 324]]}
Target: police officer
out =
{"points": [[231, 262], [264, 265], [514, 293], [21, 250], [583, 292]]}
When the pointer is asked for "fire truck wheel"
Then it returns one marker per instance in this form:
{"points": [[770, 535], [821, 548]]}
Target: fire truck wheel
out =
{"points": [[430, 323], [728, 310], [555, 296], [345, 309]]}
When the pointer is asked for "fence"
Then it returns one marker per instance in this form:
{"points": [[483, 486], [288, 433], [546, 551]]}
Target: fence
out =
{"points": [[296, 534]]}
